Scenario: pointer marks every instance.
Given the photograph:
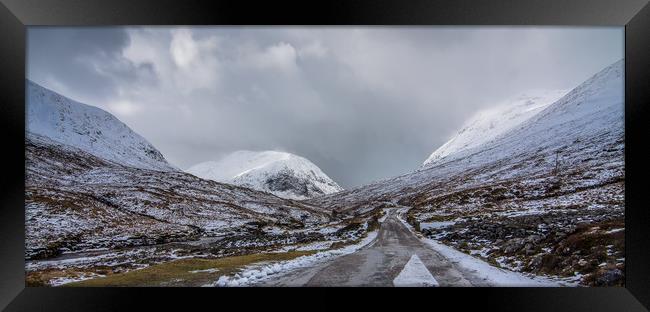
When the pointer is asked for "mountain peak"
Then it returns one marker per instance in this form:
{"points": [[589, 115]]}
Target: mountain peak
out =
{"points": [[89, 128], [280, 173]]}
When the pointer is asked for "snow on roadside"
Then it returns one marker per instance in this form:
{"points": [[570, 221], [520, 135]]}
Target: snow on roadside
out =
{"points": [[58, 281], [490, 274], [258, 273]]}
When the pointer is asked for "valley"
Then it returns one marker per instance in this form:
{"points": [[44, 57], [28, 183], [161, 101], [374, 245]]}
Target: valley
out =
{"points": [[540, 203]]}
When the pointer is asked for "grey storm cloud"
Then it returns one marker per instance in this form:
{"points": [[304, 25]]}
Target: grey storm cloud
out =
{"points": [[361, 103]]}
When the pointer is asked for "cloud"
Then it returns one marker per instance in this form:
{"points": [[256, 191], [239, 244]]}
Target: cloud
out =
{"points": [[124, 108], [183, 48], [313, 49], [279, 57], [63, 54], [362, 103], [181, 61]]}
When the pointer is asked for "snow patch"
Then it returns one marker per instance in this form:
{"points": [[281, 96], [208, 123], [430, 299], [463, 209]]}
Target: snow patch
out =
{"points": [[205, 271], [436, 225], [615, 231]]}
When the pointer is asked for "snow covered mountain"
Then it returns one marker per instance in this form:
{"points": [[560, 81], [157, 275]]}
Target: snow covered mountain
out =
{"points": [[90, 129], [552, 184], [282, 174], [574, 128], [91, 182], [488, 124]]}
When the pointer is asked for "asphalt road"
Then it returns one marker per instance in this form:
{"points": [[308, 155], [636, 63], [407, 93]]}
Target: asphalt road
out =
{"points": [[379, 263]]}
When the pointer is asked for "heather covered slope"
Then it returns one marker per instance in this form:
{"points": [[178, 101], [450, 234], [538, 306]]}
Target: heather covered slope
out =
{"points": [[76, 201]]}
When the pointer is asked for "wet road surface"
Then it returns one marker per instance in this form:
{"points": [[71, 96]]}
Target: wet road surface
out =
{"points": [[380, 262]]}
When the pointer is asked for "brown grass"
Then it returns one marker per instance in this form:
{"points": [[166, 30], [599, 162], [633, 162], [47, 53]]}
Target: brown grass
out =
{"points": [[178, 272]]}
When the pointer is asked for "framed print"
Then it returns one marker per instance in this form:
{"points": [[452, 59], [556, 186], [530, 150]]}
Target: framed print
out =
{"points": [[488, 149]]}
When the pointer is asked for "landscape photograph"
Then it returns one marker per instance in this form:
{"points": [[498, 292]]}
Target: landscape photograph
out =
{"points": [[246, 156]]}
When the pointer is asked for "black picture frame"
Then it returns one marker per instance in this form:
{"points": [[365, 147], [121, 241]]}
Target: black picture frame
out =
{"points": [[16, 15]]}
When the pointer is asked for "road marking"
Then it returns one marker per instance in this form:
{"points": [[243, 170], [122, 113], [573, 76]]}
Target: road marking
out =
{"points": [[415, 274]]}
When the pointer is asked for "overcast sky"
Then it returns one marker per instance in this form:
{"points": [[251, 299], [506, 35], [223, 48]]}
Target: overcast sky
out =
{"points": [[361, 103]]}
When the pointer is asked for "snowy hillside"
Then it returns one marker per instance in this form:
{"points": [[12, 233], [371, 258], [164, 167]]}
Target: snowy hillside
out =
{"points": [[282, 174], [532, 199], [584, 120], [92, 183], [76, 201], [90, 129], [488, 124]]}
